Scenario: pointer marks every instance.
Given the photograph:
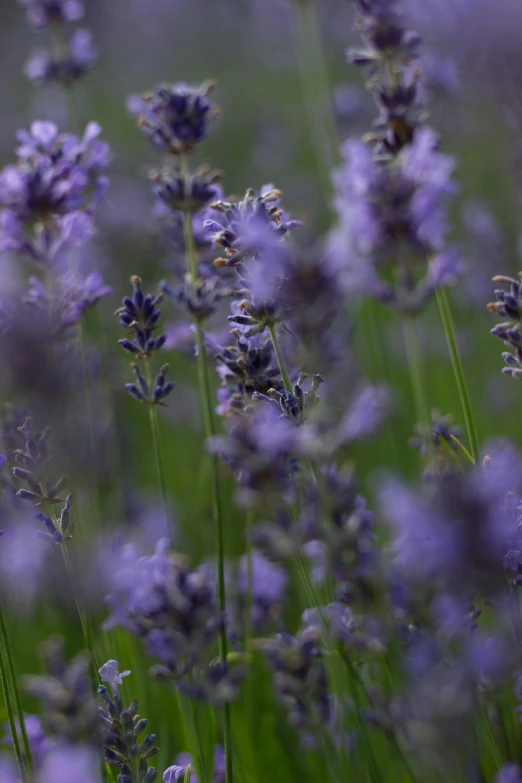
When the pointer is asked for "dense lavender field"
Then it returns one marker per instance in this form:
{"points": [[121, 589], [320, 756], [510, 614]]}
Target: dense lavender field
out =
{"points": [[260, 457]]}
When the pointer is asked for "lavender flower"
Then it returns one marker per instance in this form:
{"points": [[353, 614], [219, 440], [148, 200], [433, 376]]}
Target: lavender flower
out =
{"points": [[182, 762], [174, 611], [71, 763], [59, 529], [509, 305], [171, 188], [509, 773], [33, 468], [175, 118], [69, 710], [67, 67], [140, 315], [267, 589], [39, 742], [49, 194], [70, 299], [297, 404], [43, 13], [394, 214], [260, 450], [457, 531], [300, 678], [122, 728], [160, 387], [246, 228]]}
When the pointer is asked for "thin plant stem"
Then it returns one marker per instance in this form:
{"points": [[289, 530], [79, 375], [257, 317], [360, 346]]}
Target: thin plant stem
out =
{"points": [[6, 646], [205, 391], [4, 677], [458, 370], [280, 358], [316, 94], [81, 614], [153, 419], [411, 342]]}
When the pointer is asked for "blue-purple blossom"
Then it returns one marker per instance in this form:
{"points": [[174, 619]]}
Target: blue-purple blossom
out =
{"points": [[123, 729], [43, 13], [174, 118], [508, 305], [67, 67], [183, 194], [71, 764], [174, 611], [140, 316], [394, 214], [248, 228], [69, 710], [39, 743], [182, 761], [263, 583], [110, 674], [70, 299], [58, 179], [509, 773]]}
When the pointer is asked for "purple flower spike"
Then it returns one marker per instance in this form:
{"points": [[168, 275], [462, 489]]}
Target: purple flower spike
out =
{"points": [[175, 118]]}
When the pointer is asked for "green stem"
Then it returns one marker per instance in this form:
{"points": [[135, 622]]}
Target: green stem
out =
{"points": [[411, 342], [316, 93], [4, 677], [280, 358], [153, 419], [458, 370], [6, 645], [217, 511], [81, 614]]}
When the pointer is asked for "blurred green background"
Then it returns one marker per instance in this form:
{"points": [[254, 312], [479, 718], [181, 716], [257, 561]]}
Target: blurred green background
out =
{"points": [[253, 50]]}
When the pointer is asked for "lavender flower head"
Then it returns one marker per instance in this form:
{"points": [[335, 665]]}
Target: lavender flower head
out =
{"points": [[182, 762], [110, 674], [71, 764], [246, 228], [174, 118], [395, 214], [508, 305], [509, 773], [53, 188], [69, 66], [174, 611], [43, 13], [140, 315]]}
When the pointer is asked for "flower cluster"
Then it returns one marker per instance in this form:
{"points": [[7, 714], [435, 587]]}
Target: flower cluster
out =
{"points": [[174, 611], [48, 196], [75, 55], [392, 190], [121, 729], [140, 315]]}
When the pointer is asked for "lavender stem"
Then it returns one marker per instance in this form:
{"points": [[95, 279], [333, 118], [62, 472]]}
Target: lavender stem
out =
{"points": [[458, 370]]}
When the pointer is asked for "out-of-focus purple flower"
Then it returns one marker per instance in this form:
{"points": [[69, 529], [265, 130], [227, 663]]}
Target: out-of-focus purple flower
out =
{"points": [[183, 760], [66, 68], [389, 212], [259, 450], [456, 532], [69, 301], [171, 187], [70, 712], [509, 773], [7, 772], [266, 582], [56, 178], [248, 228], [39, 742], [43, 13], [71, 764], [174, 611], [175, 118]]}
